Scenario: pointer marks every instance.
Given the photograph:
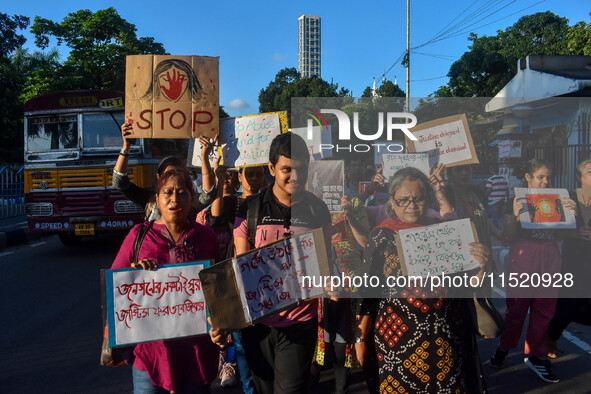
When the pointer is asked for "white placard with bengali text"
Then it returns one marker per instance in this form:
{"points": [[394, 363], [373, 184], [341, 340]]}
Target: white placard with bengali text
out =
{"points": [[392, 162], [270, 278], [437, 249], [152, 305]]}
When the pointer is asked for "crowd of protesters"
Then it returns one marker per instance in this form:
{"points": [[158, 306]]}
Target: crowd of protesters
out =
{"points": [[401, 345]]}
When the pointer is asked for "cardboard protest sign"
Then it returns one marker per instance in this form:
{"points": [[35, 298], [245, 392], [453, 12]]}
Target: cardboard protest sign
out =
{"points": [[381, 148], [543, 208], [172, 96], [326, 180], [509, 148], [437, 249], [195, 154], [246, 140], [584, 204], [392, 162], [315, 139], [451, 135], [152, 305], [258, 284]]}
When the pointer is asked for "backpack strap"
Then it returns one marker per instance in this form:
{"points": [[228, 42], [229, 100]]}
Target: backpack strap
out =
{"points": [[252, 217], [141, 234]]}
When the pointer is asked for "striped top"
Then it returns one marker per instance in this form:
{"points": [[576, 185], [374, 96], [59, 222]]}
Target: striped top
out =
{"points": [[498, 185]]}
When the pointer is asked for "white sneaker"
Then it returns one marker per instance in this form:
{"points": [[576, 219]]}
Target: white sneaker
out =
{"points": [[228, 375]]}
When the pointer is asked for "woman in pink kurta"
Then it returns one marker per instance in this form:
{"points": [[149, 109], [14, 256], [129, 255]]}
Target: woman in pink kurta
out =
{"points": [[180, 365]]}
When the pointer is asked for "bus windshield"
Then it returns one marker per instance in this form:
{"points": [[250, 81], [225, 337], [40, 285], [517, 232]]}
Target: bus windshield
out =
{"points": [[102, 130], [47, 133]]}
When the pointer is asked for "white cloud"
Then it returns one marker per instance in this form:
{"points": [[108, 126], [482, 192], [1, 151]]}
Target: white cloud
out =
{"points": [[279, 57], [238, 104]]}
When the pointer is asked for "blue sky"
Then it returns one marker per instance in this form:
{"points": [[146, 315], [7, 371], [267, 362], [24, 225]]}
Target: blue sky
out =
{"points": [[360, 42]]}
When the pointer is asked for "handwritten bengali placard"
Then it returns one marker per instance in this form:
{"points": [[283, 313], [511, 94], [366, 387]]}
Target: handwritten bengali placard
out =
{"points": [[326, 180], [392, 162], [270, 278], [152, 305], [246, 140], [451, 135], [543, 208], [437, 249]]}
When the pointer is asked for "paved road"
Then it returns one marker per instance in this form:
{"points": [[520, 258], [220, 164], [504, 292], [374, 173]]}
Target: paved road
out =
{"points": [[52, 330]]}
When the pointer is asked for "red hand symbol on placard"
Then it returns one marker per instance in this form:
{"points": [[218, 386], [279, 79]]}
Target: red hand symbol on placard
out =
{"points": [[175, 85]]}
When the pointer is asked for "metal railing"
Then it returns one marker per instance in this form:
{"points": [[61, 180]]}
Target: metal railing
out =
{"points": [[12, 192]]}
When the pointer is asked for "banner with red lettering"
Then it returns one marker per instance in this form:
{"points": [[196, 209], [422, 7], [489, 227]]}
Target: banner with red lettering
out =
{"points": [[146, 306], [172, 96], [263, 282], [450, 136]]}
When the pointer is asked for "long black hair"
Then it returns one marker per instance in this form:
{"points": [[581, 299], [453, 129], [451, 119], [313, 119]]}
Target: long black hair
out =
{"points": [[193, 85]]}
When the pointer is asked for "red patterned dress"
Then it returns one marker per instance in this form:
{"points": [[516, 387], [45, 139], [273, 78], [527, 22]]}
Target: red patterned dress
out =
{"points": [[424, 341]]}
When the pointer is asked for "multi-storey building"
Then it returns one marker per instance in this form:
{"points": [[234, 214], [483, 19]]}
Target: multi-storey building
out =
{"points": [[309, 45]]}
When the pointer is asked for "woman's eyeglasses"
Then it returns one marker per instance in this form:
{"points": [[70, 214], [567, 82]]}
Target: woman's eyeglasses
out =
{"points": [[405, 202]]}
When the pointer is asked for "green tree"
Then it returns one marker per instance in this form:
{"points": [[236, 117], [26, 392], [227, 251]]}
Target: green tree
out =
{"points": [[386, 89], [288, 83], [491, 61], [11, 84], [98, 42], [579, 39]]}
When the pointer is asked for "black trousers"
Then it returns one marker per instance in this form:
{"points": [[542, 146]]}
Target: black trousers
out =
{"points": [[280, 358]]}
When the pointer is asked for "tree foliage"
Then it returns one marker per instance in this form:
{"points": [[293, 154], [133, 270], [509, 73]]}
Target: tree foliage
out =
{"points": [[386, 89], [491, 61], [98, 42], [288, 83], [11, 84]]}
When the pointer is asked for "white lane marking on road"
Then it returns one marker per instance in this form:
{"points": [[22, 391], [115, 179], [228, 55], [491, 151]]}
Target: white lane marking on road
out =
{"points": [[37, 244], [5, 253], [577, 341]]}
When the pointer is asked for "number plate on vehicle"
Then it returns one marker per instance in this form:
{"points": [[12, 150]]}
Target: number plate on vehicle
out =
{"points": [[84, 229]]}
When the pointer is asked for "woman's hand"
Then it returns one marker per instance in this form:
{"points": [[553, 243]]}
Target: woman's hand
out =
{"points": [[207, 146], [480, 253], [145, 264], [517, 207], [377, 182], [126, 131], [436, 178], [569, 205], [585, 233], [361, 352]]}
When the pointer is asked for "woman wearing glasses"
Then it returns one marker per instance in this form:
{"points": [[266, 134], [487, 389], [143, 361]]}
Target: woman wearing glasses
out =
{"points": [[422, 344]]}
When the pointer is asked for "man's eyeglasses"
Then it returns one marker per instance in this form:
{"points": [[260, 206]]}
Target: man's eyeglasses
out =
{"points": [[405, 202]]}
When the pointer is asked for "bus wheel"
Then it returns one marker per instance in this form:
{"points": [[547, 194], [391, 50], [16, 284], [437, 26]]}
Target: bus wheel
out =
{"points": [[69, 239]]}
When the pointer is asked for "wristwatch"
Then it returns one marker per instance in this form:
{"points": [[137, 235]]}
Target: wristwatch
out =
{"points": [[359, 339], [124, 152]]}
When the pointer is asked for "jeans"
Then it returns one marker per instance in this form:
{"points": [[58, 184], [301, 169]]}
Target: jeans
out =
{"points": [[243, 369], [142, 384]]}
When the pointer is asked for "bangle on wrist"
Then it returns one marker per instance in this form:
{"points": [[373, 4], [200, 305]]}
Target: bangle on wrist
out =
{"points": [[124, 152], [359, 340]]}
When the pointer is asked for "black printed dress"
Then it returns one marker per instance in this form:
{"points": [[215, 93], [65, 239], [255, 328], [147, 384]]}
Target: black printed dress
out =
{"points": [[424, 342]]}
